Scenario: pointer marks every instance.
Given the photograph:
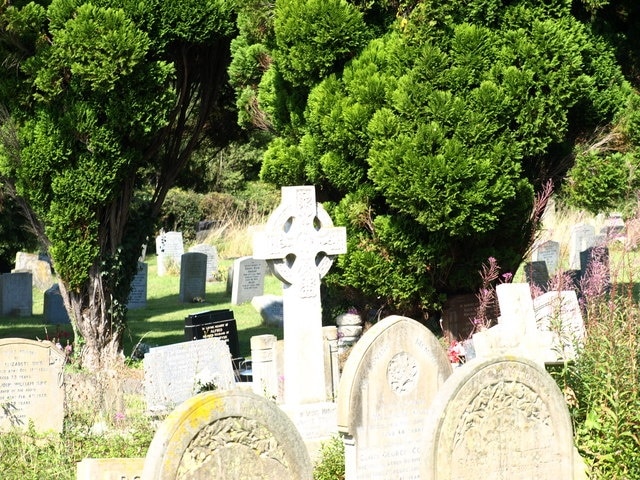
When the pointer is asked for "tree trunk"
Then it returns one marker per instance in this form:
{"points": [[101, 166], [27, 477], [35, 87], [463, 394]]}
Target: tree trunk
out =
{"points": [[97, 331]]}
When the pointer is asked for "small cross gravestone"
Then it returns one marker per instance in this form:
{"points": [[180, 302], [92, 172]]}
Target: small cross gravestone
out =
{"points": [[300, 244]]}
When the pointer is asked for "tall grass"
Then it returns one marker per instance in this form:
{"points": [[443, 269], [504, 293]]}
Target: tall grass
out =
{"points": [[602, 386]]}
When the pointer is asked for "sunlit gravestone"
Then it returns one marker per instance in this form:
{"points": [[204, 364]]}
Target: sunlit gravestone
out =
{"points": [[300, 244]]}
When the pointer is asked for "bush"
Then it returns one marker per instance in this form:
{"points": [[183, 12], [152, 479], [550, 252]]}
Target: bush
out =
{"points": [[181, 212], [331, 463]]}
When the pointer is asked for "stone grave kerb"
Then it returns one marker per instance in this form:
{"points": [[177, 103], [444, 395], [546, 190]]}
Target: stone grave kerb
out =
{"points": [[300, 243]]}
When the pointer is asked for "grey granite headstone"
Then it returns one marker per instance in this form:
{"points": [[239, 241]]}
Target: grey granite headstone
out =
{"points": [[498, 418], [53, 309], [536, 273], [248, 279], [233, 435], [39, 267], [173, 373], [212, 259], [548, 252], [388, 382], [169, 249], [193, 277], [582, 237], [31, 385], [138, 294], [16, 294]]}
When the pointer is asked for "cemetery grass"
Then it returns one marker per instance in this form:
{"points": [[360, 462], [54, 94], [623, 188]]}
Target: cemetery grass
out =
{"points": [[109, 430], [161, 322]]}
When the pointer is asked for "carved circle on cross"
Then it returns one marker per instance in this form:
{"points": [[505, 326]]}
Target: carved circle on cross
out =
{"points": [[299, 236]]}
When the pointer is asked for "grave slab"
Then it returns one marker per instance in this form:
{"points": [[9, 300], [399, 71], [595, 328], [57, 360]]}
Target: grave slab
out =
{"points": [[498, 418], [248, 279], [110, 469], [235, 435], [193, 277], [31, 385], [212, 259], [174, 373], [387, 384], [138, 295], [169, 248]]}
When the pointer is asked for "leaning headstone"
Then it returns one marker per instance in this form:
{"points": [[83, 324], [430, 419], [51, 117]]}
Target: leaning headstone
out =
{"points": [[169, 249], [53, 308], [549, 253], [300, 244], [212, 258], [495, 419], [558, 312], [536, 274], [582, 237], [31, 385], [39, 267], [174, 373], [232, 435], [387, 385], [270, 307], [193, 277], [248, 279], [16, 294], [110, 469], [138, 294]]}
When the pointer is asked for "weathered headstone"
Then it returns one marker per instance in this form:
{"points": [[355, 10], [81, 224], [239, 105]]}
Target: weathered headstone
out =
{"points": [[219, 324], [53, 308], [212, 258], [501, 418], [110, 469], [193, 277], [516, 332], [388, 382], [270, 307], [169, 249], [31, 385], [16, 294], [248, 279], [536, 273], [232, 435], [138, 294], [614, 225], [582, 237], [548, 252], [457, 317], [594, 261], [174, 373], [40, 269], [558, 312], [300, 244]]}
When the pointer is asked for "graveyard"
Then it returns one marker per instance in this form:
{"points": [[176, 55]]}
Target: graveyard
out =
{"points": [[203, 392]]}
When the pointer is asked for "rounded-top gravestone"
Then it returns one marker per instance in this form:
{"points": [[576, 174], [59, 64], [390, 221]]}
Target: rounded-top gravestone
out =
{"points": [[499, 418], [231, 435]]}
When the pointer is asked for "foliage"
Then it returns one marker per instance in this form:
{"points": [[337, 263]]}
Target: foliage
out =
{"points": [[602, 182], [181, 212], [330, 465], [103, 98], [15, 234], [434, 138], [605, 382]]}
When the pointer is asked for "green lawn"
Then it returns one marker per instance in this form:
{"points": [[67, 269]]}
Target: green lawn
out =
{"points": [[162, 321]]}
